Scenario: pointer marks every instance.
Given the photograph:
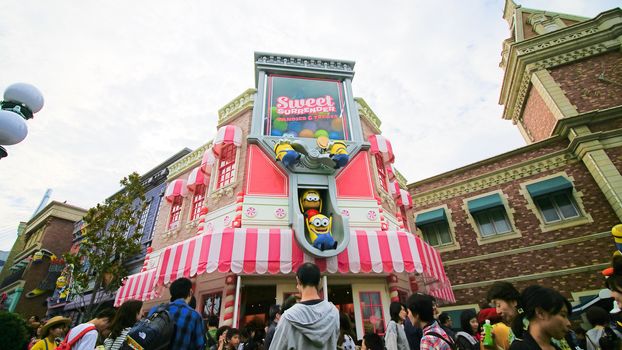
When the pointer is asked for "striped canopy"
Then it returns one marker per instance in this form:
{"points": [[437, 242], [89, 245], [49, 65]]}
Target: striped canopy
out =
{"points": [[380, 145], [176, 188]]}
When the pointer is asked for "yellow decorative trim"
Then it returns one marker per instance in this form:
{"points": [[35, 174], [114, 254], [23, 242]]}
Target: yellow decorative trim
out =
{"points": [[553, 95], [495, 178], [454, 245], [400, 178], [584, 217], [534, 276], [368, 114], [243, 102], [532, 248], [188, 161], [514, 233]]}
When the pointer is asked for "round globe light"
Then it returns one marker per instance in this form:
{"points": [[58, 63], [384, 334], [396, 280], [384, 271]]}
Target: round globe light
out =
{"points": [[13, 128], [26, 94]]}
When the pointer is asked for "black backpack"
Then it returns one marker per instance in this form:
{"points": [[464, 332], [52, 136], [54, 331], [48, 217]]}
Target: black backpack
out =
{"points": [[152, 333]]}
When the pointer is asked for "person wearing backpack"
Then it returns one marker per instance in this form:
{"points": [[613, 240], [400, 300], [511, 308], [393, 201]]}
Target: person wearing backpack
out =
{"points": [[84, 336], [126, 317], [421, 314], [466, 339], [189, 331]]}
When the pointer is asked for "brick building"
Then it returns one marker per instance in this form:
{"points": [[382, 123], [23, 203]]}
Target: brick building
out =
{"points": [[540, 214], [30, 278]]}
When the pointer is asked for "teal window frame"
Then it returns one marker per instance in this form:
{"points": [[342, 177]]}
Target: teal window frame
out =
{"points": [[556, 211]]}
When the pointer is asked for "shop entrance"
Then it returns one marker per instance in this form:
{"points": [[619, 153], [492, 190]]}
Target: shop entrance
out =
{"points": [[255, 304], [341, 296]]}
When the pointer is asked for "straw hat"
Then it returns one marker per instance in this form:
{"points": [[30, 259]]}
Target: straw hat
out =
{"points": [[52, 322]]}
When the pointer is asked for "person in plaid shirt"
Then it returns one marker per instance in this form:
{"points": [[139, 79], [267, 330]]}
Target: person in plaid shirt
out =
{"points": [[189, 328], [421, 315]]}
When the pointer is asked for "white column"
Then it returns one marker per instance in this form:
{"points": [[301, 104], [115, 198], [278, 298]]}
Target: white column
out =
{"points": [[325, 283], [237, 302]]}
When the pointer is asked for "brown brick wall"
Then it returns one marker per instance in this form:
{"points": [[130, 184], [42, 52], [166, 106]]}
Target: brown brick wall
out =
{"points": [[579, 81], [489, 166], [606, 125], [57, 239], [537, 117], [565, 284], [615, 154], [525, 220]]}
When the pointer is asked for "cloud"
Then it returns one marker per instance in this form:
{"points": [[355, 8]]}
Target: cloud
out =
{"points": [[128, 84]]}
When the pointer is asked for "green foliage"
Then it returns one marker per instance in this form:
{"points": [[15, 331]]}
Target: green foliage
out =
{"points": [[111, 234], [13, 331]]}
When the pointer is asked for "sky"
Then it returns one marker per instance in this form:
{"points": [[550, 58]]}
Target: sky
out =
{"points": [[127, 84]]}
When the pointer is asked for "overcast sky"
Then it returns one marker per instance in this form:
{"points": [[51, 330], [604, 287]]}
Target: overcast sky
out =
{"points": [[129, 83]]}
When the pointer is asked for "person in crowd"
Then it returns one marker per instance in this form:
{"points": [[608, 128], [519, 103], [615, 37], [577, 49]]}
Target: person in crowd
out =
{"points": [[274, 314], [229, 340], [466, 339], [212, 328], [52, 329], [189, 330], [421, 314], [221, 335], [447, 324], [598, 318], [504, 297], [581, 337], [313, 323], [413, 334], [372, 341], [124, 319], [33, 323], [88, 340], [547, 313], [249, 339], [395, 337], [346, 339]]}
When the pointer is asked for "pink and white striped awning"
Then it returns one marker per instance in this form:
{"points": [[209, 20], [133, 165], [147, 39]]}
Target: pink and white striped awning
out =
{"points": [[445, 293], [196, 178], [390, 172], [379, 144], [227, 134], [140, 286], [208, 161], [394, 188], [405, 199], [175, 189]]}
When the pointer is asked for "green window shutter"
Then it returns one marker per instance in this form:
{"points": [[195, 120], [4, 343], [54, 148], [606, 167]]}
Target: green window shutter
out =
{"points": [[555, 184], [430, 216], [494, 200]]}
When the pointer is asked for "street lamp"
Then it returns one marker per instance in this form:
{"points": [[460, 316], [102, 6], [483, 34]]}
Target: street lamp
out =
{"points": [[20, 102]]}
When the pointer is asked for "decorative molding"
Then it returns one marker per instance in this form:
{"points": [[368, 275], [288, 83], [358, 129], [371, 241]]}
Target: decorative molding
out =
{"points": [[501, 176], [223, 192], [557, 41], [368, 114], [400, 178], [293, 61], [191, 159], [243, 102]]}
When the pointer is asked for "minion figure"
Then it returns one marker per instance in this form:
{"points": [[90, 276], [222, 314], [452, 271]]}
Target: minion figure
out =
{"points": [[61, 288], [319, 227], [339, 153], [286, 153], [311, 199], [37, 258]]}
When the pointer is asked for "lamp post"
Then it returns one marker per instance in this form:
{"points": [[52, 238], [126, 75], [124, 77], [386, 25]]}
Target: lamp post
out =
{"points": [[21, 102]]}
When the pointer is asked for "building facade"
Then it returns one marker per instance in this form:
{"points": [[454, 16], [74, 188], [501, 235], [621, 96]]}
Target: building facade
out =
{"points": [[31, 276], [543, 213], [295, 152]]}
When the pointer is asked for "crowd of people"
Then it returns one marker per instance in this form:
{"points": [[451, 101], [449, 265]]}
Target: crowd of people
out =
{"points": [[538, 318]]}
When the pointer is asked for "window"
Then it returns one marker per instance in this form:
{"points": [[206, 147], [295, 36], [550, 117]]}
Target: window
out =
{"points": [[382, 172], [404, 218], [372, 313], [436, 233], [197, 202], [492, 221], [175, 213], [557, 206], [143, 217], [211, 305], [226, 166]]}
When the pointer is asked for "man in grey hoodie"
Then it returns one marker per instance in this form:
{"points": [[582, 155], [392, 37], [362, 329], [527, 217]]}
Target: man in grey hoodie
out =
{"points": [[313, 323]]}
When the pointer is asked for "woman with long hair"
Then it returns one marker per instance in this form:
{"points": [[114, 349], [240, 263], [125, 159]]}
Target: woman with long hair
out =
{"points": [[395, 337], [124, 319], [542, 317], [466, 339], [345, 340]]}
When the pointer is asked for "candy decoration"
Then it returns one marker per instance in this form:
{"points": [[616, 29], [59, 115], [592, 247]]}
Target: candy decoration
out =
{"points": [[321, 132], [306, 133], [276, 132], [294, 126], [311, 125], [335, 135], [279, 125], [336, 124]]}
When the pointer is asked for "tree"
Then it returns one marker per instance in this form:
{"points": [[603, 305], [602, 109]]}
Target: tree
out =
{"points": [[111, 234], [13, 331]]}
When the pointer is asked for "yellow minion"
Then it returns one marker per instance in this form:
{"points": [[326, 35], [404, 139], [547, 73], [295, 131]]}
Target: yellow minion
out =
{"points": [[319, 228], [310, 199], [285, 153], [339, 153]]}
